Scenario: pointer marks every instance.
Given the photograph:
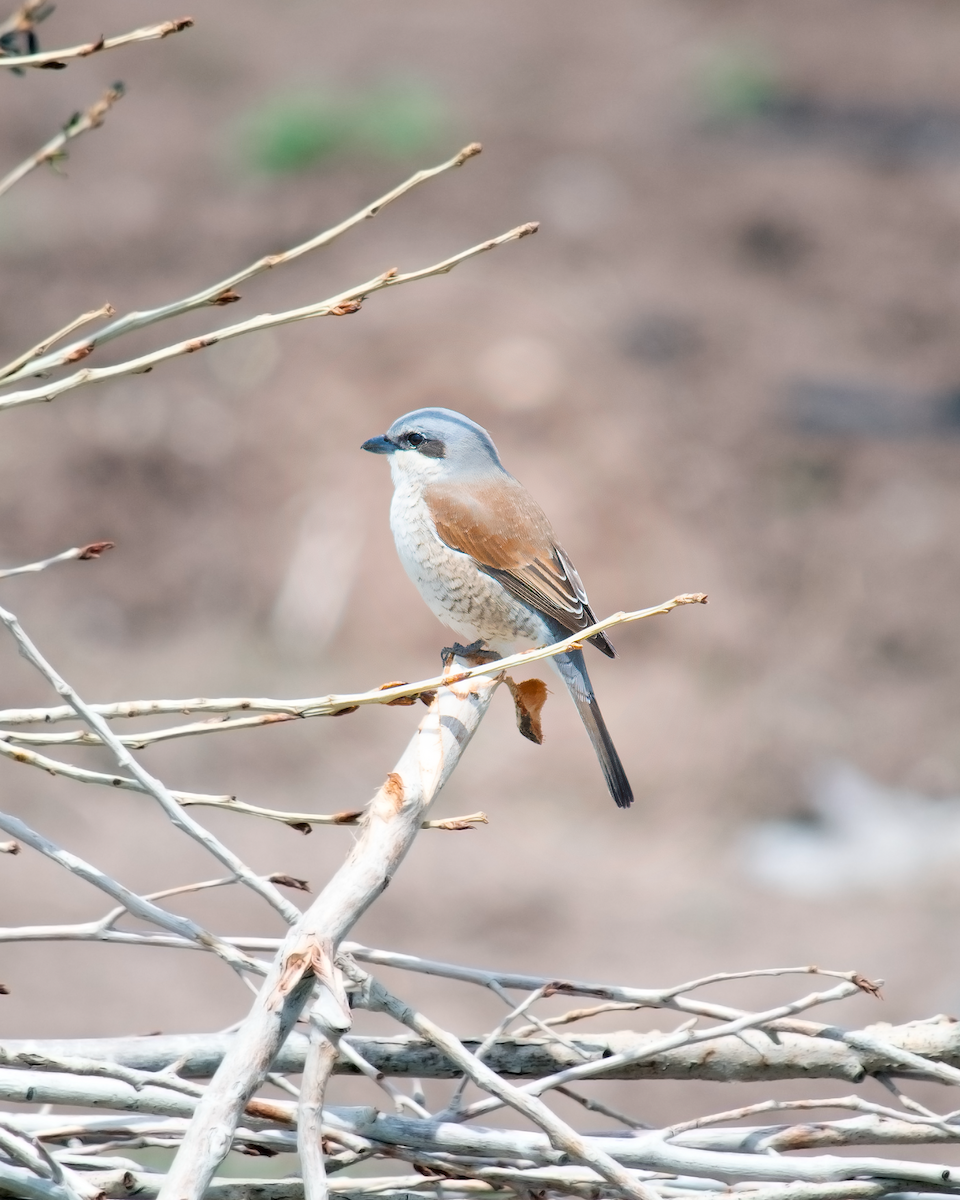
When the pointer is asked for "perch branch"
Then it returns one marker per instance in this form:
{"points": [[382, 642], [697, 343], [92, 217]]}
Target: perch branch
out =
{"points": [[390, 826], [321, 705]]}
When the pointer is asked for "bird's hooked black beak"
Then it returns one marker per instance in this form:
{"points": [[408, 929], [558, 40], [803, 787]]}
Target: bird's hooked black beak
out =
{"points": [[379, 445]]}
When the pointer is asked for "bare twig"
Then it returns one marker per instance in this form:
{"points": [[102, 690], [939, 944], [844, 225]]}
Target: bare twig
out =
{"points": [[25, 18], [105, 310], [350, 1052], [136, 905], [54, 766], [223, 292], [148, 782], [595, 1106], [684, 1035], [299, 819], [91, 550], [340, 305], [56, 58], [561, 1135], [642, 997], [53, 150]]}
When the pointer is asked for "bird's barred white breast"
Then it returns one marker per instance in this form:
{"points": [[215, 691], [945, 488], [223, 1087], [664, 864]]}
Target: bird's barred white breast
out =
{"points": [[464, 598]]}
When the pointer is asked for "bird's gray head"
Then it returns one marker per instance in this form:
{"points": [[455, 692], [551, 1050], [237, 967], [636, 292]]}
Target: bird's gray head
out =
{"points": [[434, 443]]}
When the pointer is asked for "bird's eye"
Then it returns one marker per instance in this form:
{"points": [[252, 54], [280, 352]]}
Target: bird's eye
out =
{"points": [[415, 439]]}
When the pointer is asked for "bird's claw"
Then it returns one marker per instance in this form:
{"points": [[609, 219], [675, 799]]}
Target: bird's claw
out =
{"points": [[475, 654]]}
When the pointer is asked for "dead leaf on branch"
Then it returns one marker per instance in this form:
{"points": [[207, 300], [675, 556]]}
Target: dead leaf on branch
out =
{"points": [[529, 697]]}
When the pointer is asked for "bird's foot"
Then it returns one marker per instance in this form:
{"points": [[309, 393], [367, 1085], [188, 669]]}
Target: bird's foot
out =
{"points": [[474, 654]]}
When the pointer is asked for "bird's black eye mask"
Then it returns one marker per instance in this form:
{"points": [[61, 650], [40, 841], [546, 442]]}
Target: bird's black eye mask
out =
{"points": [[427, 446]]}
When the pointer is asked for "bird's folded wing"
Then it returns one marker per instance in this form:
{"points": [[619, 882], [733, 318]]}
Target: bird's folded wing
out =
{"points": [[508, 536]]}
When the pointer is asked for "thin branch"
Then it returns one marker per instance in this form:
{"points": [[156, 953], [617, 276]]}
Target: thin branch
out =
{"points": [[576, 1014], [684, 1035], [330, 705], [105, 310], [26, 17], [158, 790], [79, 1066], [349, 1051], [340, 305], [55, 58], [223, 292], [136, 905], [28, 1152], [84, 553], [856, 1103], [298, 819], [596, 1106], [53, 151], [642, 997], [561, 1135], [54, 766]]}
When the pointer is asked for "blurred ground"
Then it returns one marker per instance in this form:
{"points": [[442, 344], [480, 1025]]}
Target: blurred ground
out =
{"points": [[728, 362]]}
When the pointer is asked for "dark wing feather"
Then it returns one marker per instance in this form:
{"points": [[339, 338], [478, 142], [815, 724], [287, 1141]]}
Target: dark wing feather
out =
{"points": [[508, 536]]}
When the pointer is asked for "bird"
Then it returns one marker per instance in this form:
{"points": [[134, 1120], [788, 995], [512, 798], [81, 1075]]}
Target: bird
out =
{"points": [[485, 559]]}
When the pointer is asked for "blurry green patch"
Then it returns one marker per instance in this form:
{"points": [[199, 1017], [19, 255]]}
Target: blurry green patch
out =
{"points": [[299, 130], [737, 83]]}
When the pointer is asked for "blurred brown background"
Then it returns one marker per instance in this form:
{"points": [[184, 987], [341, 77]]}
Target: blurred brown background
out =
{"points": [[728, 362]]}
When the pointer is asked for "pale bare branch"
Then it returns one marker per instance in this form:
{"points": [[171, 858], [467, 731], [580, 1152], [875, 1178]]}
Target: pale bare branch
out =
{"points": [[54, 766], [52, 152], [148, 782], [349, 301], [223, 292], [91, 550], [136, 905], [561, 1135], [105, 310], [54, 58]]}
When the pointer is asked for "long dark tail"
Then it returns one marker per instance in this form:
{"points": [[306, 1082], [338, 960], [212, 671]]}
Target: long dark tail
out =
{"points": [[573, 672]]}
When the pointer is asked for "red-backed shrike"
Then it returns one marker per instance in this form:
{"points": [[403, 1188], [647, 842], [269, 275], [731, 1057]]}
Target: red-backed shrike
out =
{"points": [[485, 558]]}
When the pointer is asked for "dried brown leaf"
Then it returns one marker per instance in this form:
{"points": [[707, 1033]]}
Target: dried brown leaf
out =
{"points": [[529, 697]]}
